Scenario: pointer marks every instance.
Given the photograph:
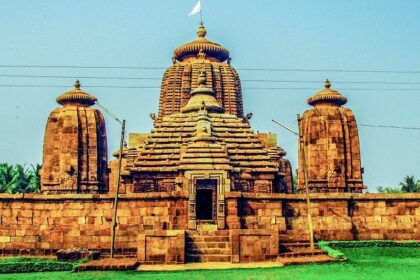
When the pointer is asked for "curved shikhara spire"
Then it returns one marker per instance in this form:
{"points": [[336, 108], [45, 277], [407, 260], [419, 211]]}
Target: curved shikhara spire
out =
{"points": [[189, 60]]}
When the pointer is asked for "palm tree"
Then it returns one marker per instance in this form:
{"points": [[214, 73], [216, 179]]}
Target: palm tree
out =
{"points": [[18, 179], [410, 184], [6, 177]]}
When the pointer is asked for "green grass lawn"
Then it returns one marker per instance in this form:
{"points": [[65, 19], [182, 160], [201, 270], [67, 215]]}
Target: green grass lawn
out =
{"points": [[364, 263]]}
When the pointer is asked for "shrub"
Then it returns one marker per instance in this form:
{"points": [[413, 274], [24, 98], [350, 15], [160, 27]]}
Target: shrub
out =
{"points": [[34, 266], [26, 264]]}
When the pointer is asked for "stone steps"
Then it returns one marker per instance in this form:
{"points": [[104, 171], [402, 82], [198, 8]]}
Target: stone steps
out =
{"points": [[208, 251], [208, 239], [300, 252], [110, 264], [294, 246], [303, 253], [305, 260], [208, 258], [207, 246]]}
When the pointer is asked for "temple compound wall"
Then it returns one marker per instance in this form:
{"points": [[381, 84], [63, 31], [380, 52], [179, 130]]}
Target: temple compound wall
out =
{"points": [[42, 224]]}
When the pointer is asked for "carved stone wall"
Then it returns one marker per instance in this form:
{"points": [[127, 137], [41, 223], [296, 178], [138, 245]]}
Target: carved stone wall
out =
{"points": [[335, 216], [161, 247], [43, 224]]}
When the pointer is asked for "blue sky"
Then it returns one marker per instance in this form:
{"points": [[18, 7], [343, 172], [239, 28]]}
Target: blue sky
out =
{"points": [[349, 35]]}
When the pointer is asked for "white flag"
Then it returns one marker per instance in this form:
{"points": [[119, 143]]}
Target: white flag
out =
{"points": [[196, 9]]}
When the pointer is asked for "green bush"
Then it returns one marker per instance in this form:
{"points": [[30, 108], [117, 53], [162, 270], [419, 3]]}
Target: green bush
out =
{"points": [[19, 267], [24, 264]]}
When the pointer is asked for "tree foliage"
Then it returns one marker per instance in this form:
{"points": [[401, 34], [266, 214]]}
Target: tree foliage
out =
{"points": [[18, 178], [408, 185]]}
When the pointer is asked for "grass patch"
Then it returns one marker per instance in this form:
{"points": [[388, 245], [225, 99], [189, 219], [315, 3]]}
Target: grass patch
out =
{"points": [[333, 247], [393, 263], [370, 243], [333, 253]]}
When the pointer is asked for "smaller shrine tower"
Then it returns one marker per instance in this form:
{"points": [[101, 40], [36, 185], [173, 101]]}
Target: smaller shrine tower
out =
{"points": [[331, 145], [75, 146]]}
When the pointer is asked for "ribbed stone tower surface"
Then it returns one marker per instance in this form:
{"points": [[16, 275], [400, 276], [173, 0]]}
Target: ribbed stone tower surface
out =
{"points": [[180, 78], [75, 146], [331, 145]]}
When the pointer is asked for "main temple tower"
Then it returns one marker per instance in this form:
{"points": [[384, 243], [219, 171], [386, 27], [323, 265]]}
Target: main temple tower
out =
{"points": [[180, 78]]}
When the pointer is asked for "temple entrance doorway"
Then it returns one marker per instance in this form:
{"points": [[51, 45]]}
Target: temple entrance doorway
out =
{"points": [[206, 198]]}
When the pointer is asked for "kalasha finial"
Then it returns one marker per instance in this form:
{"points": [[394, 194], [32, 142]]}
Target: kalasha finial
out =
{"points": [[327, 84], [77, 84], [202, 78], [201, 32]]}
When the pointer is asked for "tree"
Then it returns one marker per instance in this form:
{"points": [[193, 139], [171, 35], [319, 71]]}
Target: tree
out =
{"points": [[389, 190], [410, 184], [6, 177], [18, 178]]}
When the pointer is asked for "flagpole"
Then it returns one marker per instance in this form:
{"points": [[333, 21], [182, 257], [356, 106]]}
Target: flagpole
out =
{"points": [[201, 17]]}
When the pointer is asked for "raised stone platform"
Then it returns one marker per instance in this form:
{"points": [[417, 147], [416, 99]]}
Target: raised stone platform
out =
{"points": [[207, 266], [111, 264]]}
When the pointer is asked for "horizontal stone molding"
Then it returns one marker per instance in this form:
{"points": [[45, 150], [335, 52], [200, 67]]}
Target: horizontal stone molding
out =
{"points": [[325, 196], [95, 197]]}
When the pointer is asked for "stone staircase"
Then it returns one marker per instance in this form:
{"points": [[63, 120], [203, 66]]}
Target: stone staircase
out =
{"points": [[300, 252], [207, 246]]}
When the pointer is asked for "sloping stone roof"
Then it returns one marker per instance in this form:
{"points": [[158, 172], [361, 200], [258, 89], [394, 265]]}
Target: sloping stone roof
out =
{"points": [[173, 146]]}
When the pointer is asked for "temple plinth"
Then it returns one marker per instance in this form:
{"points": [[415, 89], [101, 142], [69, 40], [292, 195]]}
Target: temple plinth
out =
{"points": [[331, 145]]}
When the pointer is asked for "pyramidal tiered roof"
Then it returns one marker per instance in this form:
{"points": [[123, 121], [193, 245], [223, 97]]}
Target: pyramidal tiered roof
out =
{"points": [[172, 145], [202, 137]]}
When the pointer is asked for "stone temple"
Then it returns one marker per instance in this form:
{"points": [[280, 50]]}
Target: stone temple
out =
{"points": [[331, 143], [202, 185], [75, 156]]}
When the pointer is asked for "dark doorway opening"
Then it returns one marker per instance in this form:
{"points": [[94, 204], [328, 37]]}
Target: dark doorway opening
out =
{"points": [[206, 199], [204, 204]]}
